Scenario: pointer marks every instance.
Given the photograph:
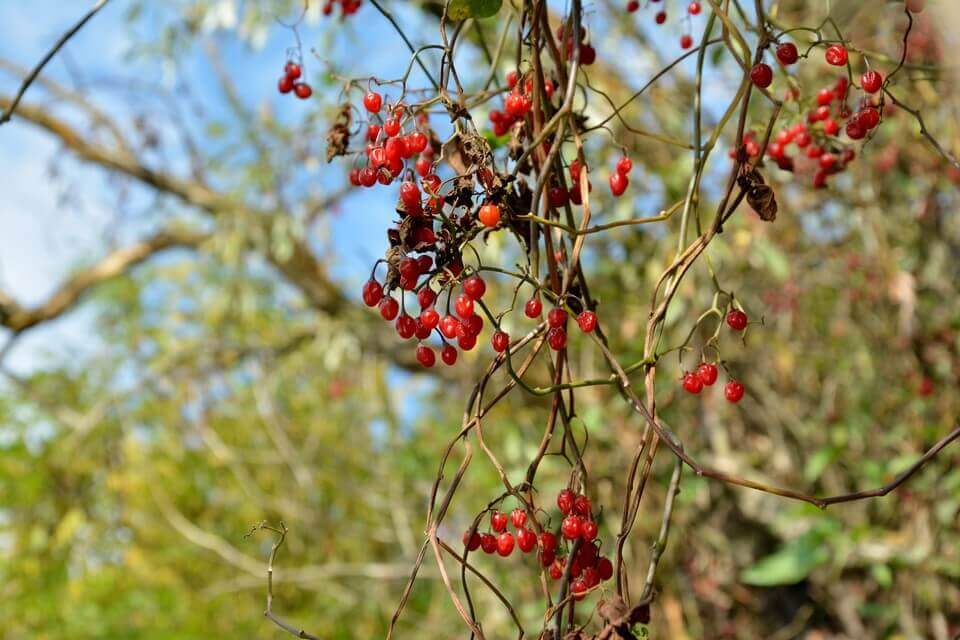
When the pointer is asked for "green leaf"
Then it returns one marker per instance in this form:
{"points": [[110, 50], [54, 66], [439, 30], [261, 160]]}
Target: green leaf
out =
{"points": [[789, 565], [463, 9]]}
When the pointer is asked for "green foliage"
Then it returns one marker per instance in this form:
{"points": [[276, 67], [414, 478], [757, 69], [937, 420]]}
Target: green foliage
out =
{"points": [[463, 9]]}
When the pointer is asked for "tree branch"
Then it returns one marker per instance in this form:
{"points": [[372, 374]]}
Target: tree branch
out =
{"points": [[18, 318], [11, 107]]}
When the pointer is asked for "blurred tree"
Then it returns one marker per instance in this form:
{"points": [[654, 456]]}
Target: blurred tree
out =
{"points": [[236, 382]]}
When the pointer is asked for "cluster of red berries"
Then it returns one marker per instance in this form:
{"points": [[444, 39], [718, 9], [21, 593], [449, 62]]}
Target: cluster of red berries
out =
{"points": [[387, 149], [291, 81], [693, 9], [347, 7], [587, 567], [706, 373], [786, 53], [517, 104], [466, 325], [820, 135], [618, 179]]}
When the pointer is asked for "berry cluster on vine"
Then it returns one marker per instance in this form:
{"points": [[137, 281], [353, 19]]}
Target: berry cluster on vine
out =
{"points": [[290, 81], [706, 373], [576, 543], [819, 136]]}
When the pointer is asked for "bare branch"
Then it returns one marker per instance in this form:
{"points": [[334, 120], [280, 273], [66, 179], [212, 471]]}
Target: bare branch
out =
{"points": [[17, 318], [11, 107]]}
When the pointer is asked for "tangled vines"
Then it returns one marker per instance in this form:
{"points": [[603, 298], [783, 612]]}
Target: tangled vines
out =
{"points": [[532, 184]]}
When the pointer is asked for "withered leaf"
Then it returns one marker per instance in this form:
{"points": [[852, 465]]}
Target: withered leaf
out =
{"points": [[760, 196], [338, 138]]}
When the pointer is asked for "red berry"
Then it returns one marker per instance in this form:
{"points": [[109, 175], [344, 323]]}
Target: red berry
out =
{"points": [[571, 527], [855, 130], [556, 569], [426, 356], [409, 268], [820, 179], [488, 543], [422, 166], [449, 326], [686, 41], [467, 342], [292, 70], [578, 587], [737, 320], [557, 338], [471, 540], [285, 84], [836, 54], [303, 90], [871, 81], [694, 8], [391, 127], [624, 165], [533, 308], [372, 101], [500, 341], [707, 372], [691, 383], [464, 305], [449, 355], [761, 75], [489, 215], [582, 506], [422, 332], [526, 539], [474, 287], [389, 308], [868, 117], [426, 297], [498, 521], [827, 160], [515, 105], [518, 518], [587, 321], [512, 77], [556, 317], [787, 53], [661, 17], [409, 193], [557, 196], [505, 544], [372, 293], [406, 326], [618, 183], [548, 542], [470, 326], [733, 391], [565, 501], [589, 530], [417, 142], [604, 568], [430, 318]]}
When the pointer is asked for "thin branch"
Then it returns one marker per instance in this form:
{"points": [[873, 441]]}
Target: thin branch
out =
{"points": [[18, 319], [8, 113]]}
